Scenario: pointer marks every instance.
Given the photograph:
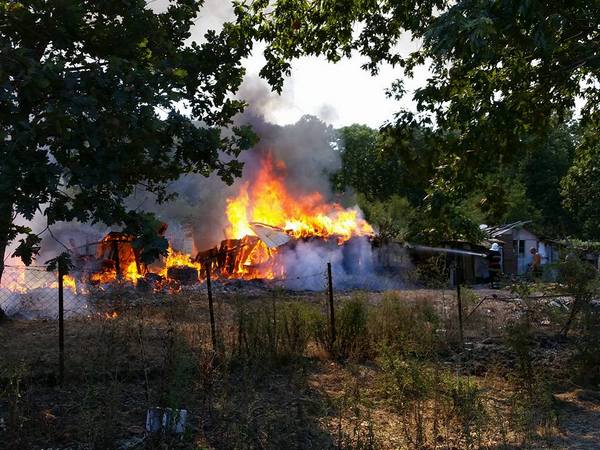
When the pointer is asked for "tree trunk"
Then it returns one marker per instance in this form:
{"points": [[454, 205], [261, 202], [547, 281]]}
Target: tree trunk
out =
{"points": [[5, 226], [577, 304]]}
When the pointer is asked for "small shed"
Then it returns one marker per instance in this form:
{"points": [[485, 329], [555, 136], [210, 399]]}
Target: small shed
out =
{"points": [[516, 240]]}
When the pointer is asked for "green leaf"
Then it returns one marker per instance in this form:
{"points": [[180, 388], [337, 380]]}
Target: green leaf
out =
{"points": [[28, 248]]}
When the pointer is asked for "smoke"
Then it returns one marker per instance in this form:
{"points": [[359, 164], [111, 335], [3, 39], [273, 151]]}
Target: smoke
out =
{"points": [[354, 266], [308, 149], [328, 113]]}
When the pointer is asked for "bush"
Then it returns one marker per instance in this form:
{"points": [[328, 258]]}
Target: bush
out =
{"points": [[352, 338], [295, 325], [586, 359], [435, 405], [466, 409], [532, 405], [409, 385], [268, 330], [406, 327]]}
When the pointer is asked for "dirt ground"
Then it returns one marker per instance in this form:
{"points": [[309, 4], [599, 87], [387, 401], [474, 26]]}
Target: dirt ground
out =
{"points": [[117, 367]]}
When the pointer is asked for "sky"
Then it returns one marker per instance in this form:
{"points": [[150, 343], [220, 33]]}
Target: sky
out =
{"points": [[340, 94]]}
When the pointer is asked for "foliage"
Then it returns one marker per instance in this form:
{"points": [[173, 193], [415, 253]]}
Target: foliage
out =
{"points": [[408, 328], [275, 332], [378, 170], [503, 74], [409, 384], [360, 162], [352, 339], [62, 263], [532, 406], [542, 171], [391, 217], [428, 398], [467, 409], [90, 109], [580, 280], [581, 185]]}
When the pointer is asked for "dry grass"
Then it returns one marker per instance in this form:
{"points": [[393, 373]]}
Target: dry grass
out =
{"points": [[396, 378]]}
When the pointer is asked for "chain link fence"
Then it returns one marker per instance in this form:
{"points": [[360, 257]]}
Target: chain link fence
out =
{"points": [[32, 293]]}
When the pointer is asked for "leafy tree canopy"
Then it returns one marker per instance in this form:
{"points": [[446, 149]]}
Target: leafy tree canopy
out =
{"points": [[506, 64], [91, 94], [503, 73], [581, 185]]}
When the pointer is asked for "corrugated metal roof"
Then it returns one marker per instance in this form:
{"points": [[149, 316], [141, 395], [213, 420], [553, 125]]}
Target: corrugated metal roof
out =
{"points": [[499, 230]]}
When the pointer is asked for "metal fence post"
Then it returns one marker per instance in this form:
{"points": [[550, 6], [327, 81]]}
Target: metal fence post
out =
{"points": [[61, 325], [213, 333], [459, 303], [331, 309]]}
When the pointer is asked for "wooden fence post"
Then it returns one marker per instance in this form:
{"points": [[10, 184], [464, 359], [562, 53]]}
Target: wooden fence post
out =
{"points": [[331, 309], [213, 332], [117, 259], [61, 325]]}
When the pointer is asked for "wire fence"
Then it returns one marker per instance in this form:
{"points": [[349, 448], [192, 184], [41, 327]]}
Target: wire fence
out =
{"points": [[79, 306], [31, 293], [34, 293]]}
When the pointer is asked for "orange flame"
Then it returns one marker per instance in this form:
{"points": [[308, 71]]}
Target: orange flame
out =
{"points": [[267, 201], [70, 283], [178, 259]]}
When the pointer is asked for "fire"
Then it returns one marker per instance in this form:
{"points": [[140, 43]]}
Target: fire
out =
{"points": [[70, 283], [119, 260], [15, 281], [178, 259], [263, 217], [110, 275], [132, 273], [266, 200]]}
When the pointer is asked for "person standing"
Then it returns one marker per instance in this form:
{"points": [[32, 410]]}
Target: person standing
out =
{"points": [[536, 263], [494, 259]]}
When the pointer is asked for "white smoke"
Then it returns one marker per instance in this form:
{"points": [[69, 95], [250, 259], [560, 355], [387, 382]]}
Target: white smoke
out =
{"points": [[353, 265]]}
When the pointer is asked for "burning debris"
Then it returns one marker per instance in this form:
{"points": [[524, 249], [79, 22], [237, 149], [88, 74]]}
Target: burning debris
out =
{"points": [[271, 234], [264, 222]]}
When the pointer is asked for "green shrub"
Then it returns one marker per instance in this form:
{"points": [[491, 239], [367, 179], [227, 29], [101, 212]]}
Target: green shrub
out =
{"points": [[409, 385], [269, 330], [586, 359], [352, 338], [406, 327], [295, 325], [256, 330], [466, 409]]}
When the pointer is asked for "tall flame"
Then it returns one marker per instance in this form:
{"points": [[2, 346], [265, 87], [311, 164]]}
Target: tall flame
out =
{"points": [[178, 259], [267, 200]]}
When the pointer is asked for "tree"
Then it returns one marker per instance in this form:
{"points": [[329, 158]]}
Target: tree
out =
{"points": [[528, 187], [581, 185], [91, 95], [359, 160], [542, 171], [502, 72]]}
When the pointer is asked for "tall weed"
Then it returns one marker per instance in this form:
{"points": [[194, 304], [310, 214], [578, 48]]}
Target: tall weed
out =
{"points": [[406, 327]]}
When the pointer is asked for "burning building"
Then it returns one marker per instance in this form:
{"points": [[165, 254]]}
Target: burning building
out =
{"points": [[277, 222], [265, 224]]}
